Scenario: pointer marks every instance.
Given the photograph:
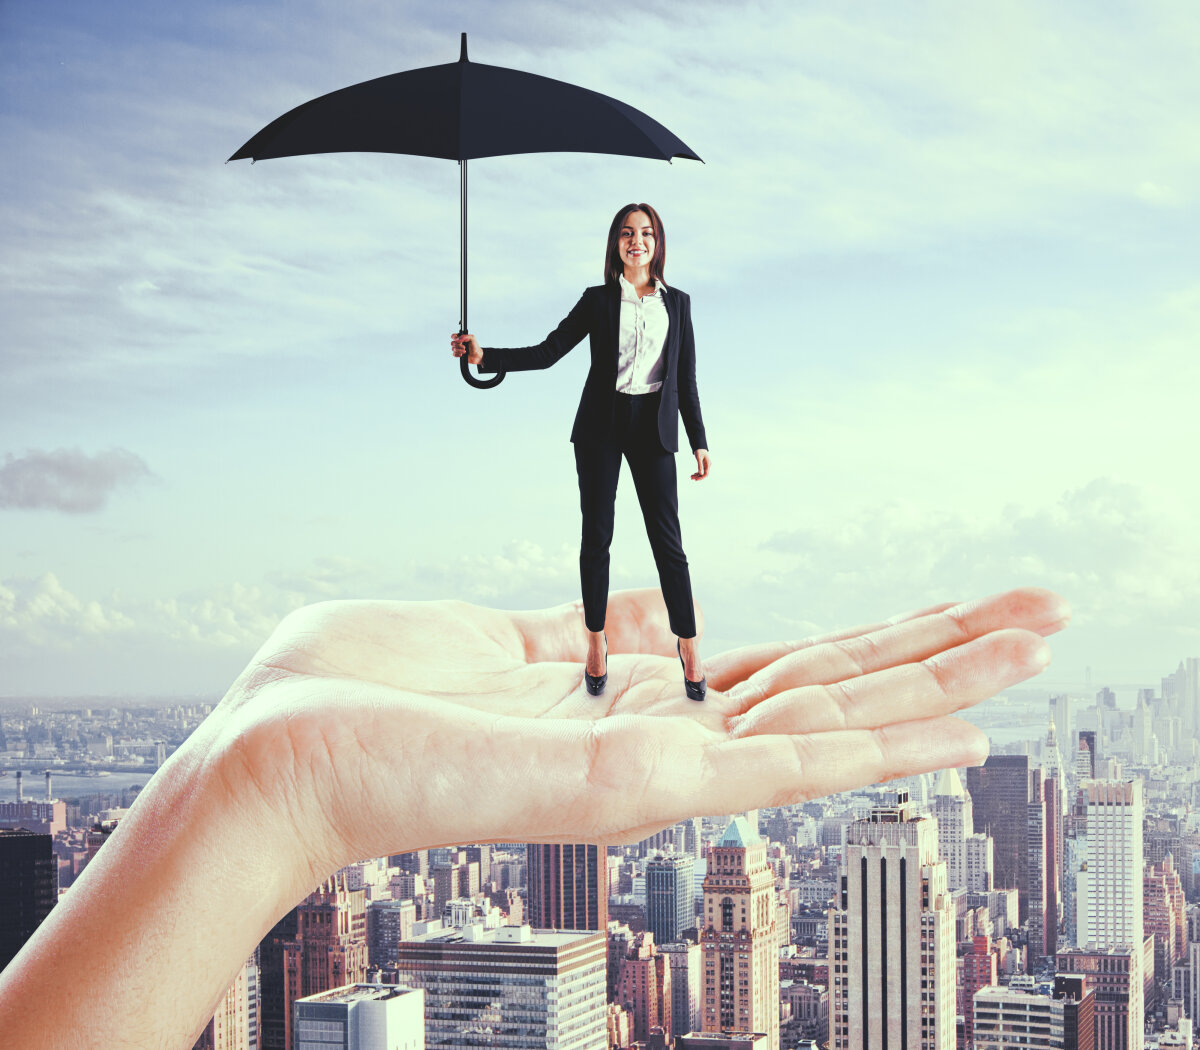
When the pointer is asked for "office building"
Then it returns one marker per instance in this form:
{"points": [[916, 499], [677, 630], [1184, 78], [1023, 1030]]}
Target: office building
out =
{"points": [[321, 944], [955, 822], [1109, 886], [1007, 1017], [510, 987], [740, 936], [361, 1017], [28, 887], [388, 923], [643, 986], [1116, 979], [1006, 797], [980, 969], [567, 886], [891, 937], [670, 898], [1164, 914], [685, 960]]}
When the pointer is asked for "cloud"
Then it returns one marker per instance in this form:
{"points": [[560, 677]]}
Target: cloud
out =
{"points": [[1115, 557], [67, 479]]}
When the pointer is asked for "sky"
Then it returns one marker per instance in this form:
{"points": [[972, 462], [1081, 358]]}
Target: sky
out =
{"points": [[943, 266]]}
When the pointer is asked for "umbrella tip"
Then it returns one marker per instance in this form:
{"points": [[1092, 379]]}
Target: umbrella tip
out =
{"points": [[462, 54]]}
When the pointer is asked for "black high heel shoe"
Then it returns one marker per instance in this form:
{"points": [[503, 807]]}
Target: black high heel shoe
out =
{"points": [[597, 682], [695, 690]]}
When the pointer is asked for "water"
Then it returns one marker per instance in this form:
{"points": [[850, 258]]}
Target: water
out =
{"points": [[66, 785]]}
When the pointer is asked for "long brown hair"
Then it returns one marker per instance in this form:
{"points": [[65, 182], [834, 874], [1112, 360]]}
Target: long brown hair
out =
{"points": [[613, 267]]}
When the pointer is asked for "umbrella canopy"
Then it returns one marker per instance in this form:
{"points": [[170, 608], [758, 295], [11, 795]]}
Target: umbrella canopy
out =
{"points": [[462, 111]]}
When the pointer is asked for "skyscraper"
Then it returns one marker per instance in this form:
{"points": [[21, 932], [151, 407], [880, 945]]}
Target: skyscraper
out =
{"points": [[670, 897], [1164, 915], [28, 887], [955, 821], [685, 959], [1109, 886], [891, 937], [567, 886], [362, 1017], [321, 944], [1116, 979], [740, 938], [1015, 1017], [512, 987], [643, 986], [1000, 796]]}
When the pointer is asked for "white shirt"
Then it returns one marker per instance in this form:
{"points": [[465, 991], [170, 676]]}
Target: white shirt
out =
{"points": [[643, 334]]}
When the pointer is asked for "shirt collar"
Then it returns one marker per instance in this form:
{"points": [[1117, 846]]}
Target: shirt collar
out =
{"points": [[628, 291]]}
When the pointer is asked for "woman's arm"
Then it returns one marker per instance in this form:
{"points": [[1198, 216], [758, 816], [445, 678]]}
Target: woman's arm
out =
{"points": [[571, 329], [689, 395], [367, 728]]}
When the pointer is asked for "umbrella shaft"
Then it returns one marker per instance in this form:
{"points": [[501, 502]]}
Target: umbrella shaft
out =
{"points": [[462, 247]]}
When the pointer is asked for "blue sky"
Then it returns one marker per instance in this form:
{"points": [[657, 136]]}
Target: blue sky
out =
{"points": [[944, 276]]}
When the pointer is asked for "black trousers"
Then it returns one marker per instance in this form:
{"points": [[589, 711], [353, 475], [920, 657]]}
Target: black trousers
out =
{"points": [[634, 435]]}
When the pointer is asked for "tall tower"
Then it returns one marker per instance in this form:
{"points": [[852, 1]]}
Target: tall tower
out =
{"points": [[28, 887], [1000, 791], [1109, 887], [512, 987], [955, 821], [321, 944], [670, 897], [891, 936], [739, 940], [567, 886]]}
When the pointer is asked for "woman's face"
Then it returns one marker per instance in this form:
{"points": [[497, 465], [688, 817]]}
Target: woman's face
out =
{"points": [[635, 244]]}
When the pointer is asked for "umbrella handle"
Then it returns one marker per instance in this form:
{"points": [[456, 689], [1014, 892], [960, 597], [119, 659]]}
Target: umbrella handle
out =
{"points": [[471, 378], [475, 381]]}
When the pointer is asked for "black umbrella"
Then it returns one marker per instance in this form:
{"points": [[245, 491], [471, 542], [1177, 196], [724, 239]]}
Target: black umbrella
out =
{"points": [[460, 111]]}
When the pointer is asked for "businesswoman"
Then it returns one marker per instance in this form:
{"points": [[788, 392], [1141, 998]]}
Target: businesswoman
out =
{"points": [[642, 379]]}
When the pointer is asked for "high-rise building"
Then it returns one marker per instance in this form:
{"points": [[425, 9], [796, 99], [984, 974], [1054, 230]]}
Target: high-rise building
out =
{"points": [[1079, 1012], [1109, 886], [362, 1017], [643, 987], [955, 822], [891, 937], [670, 897], [685, 959], [567, 886], [28, 887], [511, 986], [740, 938], [321, 944], [980, 970], [1014, 1017], [1164, 914], [1002, 792], [1116, 979], [388, 923]]}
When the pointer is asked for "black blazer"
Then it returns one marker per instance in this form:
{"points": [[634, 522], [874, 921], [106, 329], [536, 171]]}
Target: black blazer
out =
{"points": [[598, 315]]}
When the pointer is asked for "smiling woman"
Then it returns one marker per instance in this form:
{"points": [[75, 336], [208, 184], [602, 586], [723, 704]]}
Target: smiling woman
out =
{"points": [[641, 381], [359, 728]]}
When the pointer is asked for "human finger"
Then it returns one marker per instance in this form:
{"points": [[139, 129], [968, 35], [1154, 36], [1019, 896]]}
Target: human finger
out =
{"points": [[946, 682], [1030, 608], [776, 770], [734, 665]]}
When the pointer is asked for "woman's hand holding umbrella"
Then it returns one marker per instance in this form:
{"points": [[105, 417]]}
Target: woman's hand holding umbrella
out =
{"points": [[465, 343]]}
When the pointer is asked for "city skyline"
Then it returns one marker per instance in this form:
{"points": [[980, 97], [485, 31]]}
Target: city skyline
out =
{"points": [[955, 244]]}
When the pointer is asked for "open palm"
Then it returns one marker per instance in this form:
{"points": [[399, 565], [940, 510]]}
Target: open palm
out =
{"points": [[383, 726]]}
